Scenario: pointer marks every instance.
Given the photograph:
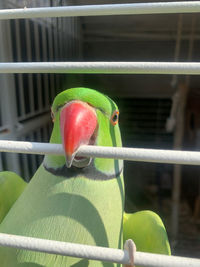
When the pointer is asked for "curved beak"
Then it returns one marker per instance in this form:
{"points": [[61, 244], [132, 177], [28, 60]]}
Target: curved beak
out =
{"points": [[78, 122]]}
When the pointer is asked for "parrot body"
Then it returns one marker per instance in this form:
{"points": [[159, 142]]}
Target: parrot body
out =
{"points": [[77, 199], [63, 210], [81, 204]]}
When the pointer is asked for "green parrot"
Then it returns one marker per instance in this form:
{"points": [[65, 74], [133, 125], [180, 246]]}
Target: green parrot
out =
{"points": [[77, 199]]}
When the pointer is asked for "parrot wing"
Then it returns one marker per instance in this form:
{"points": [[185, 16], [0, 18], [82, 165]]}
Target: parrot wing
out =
{"points": [[11, 187], [147, 231]]}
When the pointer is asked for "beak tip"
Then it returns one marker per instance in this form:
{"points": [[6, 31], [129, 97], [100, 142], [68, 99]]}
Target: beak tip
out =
{"points": [[69, 160], [68, 164]]}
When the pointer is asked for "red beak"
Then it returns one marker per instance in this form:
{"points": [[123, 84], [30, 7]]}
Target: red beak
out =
{"points": [[78, 122]]}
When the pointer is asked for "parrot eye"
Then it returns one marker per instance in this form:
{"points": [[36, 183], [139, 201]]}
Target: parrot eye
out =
{"points": [[115, 117]]}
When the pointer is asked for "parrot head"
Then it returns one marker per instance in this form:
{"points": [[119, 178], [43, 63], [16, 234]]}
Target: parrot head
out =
{"points": [[83, 116]]}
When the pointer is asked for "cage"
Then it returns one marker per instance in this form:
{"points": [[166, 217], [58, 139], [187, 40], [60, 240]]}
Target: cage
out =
{"points": [[145, 102], [26, 98]]}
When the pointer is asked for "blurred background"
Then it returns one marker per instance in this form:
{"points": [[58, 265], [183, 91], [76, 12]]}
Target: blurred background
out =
{"points": [[156, 111]]}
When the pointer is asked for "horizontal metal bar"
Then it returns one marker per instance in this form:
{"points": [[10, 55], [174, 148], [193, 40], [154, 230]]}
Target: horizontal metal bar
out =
{"points": [[183, 68], [132, 154], [64, 248], [103, 10], [22, 128], [33, 114], [94, 252], [32, 124], [128, 37]]}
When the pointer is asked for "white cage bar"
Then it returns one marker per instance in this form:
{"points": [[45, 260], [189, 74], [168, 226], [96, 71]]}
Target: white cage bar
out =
{"points": [[132, 154], [95, 252], [180, 68], [103, 10]]}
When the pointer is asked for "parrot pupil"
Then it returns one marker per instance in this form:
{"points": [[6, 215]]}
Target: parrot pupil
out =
{"points": [[115, 118]]}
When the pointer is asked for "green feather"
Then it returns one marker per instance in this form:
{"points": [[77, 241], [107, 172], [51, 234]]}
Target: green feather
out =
{"points": [[93, 97], [148, 232], [11, 187]]}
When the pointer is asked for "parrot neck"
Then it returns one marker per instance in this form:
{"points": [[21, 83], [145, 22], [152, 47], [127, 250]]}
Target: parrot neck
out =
{"points": [[91, 172]]}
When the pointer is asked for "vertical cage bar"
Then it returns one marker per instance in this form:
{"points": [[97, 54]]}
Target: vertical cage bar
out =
{"points": [[46, 82], [72, 48], [19, 76], [53, 81], [29, 57], [8, 101], [55, 47], [51, 76], [38, 76], [56, 34]]}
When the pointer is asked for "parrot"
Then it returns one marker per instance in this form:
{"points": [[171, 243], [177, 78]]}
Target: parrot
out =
{"points": [[79, 199]]}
